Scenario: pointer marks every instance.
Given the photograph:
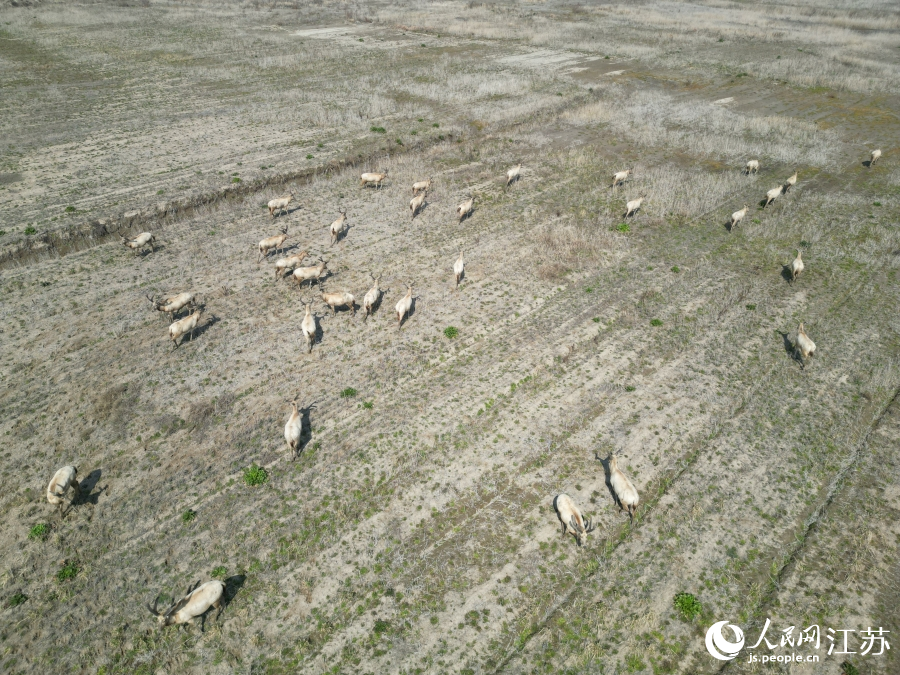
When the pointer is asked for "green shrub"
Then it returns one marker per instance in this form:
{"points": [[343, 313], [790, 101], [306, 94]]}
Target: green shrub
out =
{"points": [[399, 142], [255, 475], [349, 392], [70, 209], [368, 405], [687, 606], [656, 322], [378, 130], [69, 571], [623, 228], [188, 516], [436, 125], [751, 307], [848, 668], [309, 156], [30, 230], [40, 531], [219, 572], [381, 626], [676, 269], [451, 332], [16, 599], [235, 179]]}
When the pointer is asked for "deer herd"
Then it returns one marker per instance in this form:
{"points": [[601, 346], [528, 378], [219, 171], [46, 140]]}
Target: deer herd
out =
{"points": [[64, 488]]}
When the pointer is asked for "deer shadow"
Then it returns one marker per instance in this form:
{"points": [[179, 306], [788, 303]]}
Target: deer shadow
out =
{"points": [[791, 349], [410, 313], [867, 163], [342, 234], [786, 273], [305, 426], [233, 585], [607, 475], [86, 493], [209, 323]]}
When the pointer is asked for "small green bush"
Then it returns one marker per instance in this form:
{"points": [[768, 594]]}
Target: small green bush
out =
{"points": [[378, 130], [320, 145], [40, 531], [30, 230], [309, 156], [687, 606], [2, 232], [69, 571], [623, 228], [629, 387], [751, 307], [349, 392], [436, 125], [188, 516], [368, 405], [656, 322], [235, 179], [70, 209], [16, 599], [596, 319], [219, 572], [399, 142], [876, 203], [451, 332], [848, 668], [255, 475], [676, 269], [381, 626]]}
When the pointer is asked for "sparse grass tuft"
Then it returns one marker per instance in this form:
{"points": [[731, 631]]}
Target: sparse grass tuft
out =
{"points": [[30, 230], [676, 269], [235, 179], [368, 405], [687, 606], [349, 392], [451, 332], [255, 475], [188, 516], [656, 322], [70, 209], [40, 531], [68, 571], [16, 599], [219, 572], [378, 130], [623, 228], [848, 668]]}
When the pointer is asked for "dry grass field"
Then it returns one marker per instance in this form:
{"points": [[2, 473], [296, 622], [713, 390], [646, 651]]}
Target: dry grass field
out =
{"points": [[415, 533]]}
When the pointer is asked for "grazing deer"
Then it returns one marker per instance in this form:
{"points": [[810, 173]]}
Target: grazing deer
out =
{"points": [[421, 186], [626, 494], [185, 326], [280, 204], [571, 518], [198, 600], [173, 304], [65, 478], [513, 174], [465, 209], [293, 430], [139, 242]]}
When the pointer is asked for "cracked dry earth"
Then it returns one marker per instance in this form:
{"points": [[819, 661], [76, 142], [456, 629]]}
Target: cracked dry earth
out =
{"points": [[415, 533]]}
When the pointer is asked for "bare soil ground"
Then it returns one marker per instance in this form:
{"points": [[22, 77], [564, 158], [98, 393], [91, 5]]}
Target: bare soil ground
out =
{"points": [[415, 533]]}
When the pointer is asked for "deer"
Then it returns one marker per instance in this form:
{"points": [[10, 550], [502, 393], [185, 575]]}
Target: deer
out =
{"points": [[404, 305], [773, 194], [293, 430], [738, 216], [459, 268], [752, 167], [620, 176], [376, 178], [173, 304], [632, 206], [571, 519], [625, 492], [874, 157], [421, 186], [282, 265], [310, 274], [196, 602], [272, 244], [280, 204], [797, 266], [337, 227], [185, 326], [65, 478], [308, 326], [416, 202], [371, 298], [465, 209], [513, 174], [339, 299], [139, 242], [790, 182], [805, 347]]}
